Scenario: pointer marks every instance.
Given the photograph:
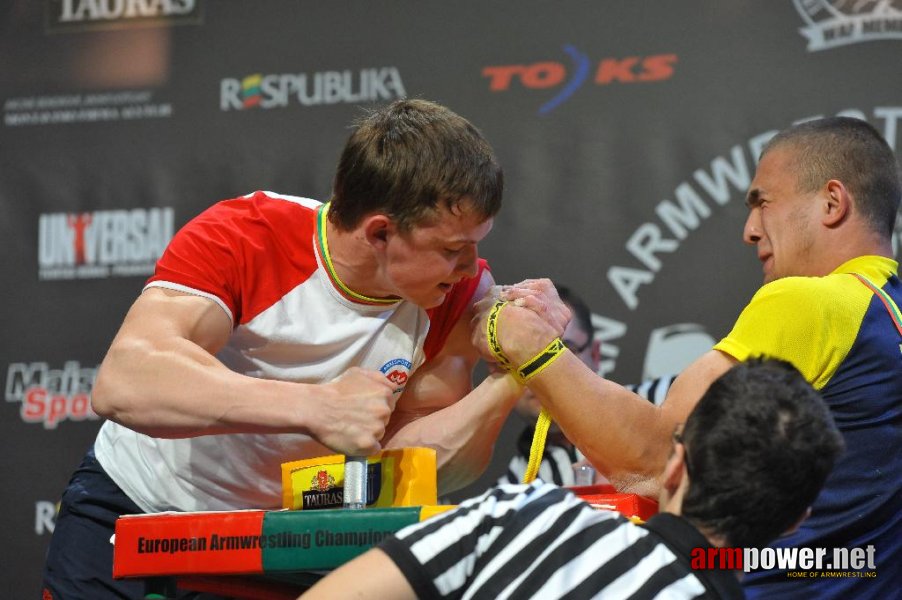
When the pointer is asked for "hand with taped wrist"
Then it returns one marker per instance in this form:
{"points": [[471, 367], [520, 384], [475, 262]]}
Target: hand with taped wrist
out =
{"points": [[541, 297], [519, 327]]}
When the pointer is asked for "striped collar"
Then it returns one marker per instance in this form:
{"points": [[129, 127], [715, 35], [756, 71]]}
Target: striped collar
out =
{"points": [[322, 247]]}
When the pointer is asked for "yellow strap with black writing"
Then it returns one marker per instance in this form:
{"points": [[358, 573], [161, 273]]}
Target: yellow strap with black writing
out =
{"points": [[523, 374], [527, 371]]}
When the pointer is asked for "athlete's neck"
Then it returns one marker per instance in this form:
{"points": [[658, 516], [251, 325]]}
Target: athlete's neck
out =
{"points": [[355, 262]]}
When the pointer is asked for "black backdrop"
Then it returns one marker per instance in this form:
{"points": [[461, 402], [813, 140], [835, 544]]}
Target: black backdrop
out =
{"points": [[628, 132]]}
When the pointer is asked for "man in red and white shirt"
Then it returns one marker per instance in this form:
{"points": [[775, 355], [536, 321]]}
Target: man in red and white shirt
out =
{"points": [[277, 328]]}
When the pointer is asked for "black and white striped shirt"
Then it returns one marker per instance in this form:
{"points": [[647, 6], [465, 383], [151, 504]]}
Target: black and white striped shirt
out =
{"points": [[557, 460], [540, 541]]}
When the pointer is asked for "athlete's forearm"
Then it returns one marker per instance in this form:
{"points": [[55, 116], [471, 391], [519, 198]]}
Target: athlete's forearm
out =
{"points": [[174, 388], [623, 435], [464, 433]]}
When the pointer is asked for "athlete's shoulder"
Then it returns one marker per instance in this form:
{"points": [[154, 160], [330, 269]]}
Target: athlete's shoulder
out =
{"points": [[262, 204], [259, 218], [796, 285], [809, 295]]}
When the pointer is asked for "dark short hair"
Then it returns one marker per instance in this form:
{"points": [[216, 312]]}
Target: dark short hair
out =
{"points": [[759, 446], [581, 311], [405, 158], [853, 152]]}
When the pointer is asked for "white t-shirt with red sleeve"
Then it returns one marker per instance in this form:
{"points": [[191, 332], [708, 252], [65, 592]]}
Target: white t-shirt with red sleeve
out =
{"points": [[261, 259]]}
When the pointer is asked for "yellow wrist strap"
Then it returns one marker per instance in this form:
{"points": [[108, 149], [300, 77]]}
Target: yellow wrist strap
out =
{"points": [[538, 446], [491, 334], [527, 371], [542, 360]]}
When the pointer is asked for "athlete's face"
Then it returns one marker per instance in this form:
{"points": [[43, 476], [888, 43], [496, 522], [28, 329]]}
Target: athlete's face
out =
{"points": [[782, 220], [422, 264]]}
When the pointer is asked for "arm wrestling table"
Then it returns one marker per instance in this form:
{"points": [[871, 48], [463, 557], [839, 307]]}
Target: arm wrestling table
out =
{"points": [[276, 554]]}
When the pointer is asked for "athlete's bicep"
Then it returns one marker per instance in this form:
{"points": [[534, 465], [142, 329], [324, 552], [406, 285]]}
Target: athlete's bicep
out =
{"points": [[160, 314], [689, 387]]}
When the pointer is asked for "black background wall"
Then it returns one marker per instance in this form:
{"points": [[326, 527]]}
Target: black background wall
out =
{"points": [[628, 131]]}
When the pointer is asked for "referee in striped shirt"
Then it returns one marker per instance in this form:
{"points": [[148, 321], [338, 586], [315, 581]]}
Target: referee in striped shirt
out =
{"points": [[746, 466]]}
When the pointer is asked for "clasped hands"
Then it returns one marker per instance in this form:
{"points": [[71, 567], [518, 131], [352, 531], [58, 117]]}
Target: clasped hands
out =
{"points": [[533, 316]]}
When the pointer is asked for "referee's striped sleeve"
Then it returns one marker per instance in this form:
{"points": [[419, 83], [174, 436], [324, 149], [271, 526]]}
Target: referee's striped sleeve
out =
{"points": [[437, 556], [540, 542]]}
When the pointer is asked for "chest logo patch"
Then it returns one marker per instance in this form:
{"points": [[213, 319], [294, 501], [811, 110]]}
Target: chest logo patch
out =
{"points": [[397, 371]]}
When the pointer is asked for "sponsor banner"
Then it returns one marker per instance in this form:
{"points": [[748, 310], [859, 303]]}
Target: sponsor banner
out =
{"points": [[103, 243], [64, 16], [552, 74], [379, 84], [63, 109], [51, 396], [832, 23]]}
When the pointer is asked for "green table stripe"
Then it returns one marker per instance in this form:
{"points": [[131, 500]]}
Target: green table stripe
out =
{"points": [[324, 539]]}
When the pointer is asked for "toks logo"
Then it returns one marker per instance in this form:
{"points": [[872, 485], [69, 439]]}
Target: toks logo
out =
{"points": [[832, 23], [311, 89], [50, 396], [103, 243], [552, 74]]}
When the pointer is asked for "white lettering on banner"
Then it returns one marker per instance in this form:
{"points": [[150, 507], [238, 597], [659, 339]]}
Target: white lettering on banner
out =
{"points": [[102, 243], [680, 218], [735, 170], [890, 115], [87, 115], [51, 396], [691, 207], [832, 23], [327, 87], [44, 517], [720, 182], [96, 10], [646, 241]]}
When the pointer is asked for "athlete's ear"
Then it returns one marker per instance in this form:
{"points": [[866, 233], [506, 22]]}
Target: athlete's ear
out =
{"points": [[675, 470], [377, 229], [837, 203]]}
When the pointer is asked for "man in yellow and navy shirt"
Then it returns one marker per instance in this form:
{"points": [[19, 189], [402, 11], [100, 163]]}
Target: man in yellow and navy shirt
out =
{"points": [[841, 335], [822, 207]]}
